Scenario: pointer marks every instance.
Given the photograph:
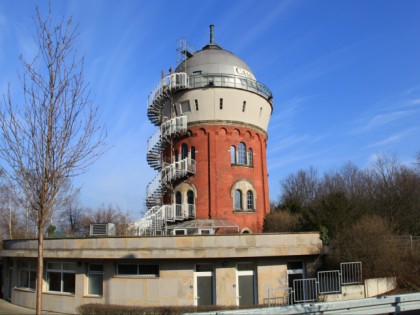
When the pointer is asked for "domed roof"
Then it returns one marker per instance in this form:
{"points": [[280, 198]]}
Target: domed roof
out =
{"points": [[212, 59]]}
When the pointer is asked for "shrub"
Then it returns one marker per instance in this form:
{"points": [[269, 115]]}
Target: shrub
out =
{"points": [[110, 309], [282, 221]]}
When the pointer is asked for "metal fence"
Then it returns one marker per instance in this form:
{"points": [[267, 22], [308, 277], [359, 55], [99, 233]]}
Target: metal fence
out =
{"points": [[351, 273], [329, 282], [326, 282]]}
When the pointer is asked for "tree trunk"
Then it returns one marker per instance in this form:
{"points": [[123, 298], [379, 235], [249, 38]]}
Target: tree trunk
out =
{"points": [[40, 270]]}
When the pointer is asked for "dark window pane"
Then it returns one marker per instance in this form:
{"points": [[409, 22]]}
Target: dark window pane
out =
{"points": [[127, 269], [190, 197], [32, 280], [24, 278], [54, 281], [69, 282]]}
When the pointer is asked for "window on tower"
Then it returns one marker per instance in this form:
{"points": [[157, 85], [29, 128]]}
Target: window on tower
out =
{"points": [[185, 107], [184, 151], [250, 200], [241, 153], [221, 103], [243, 194], [232, 154], [250, 157], [241, 156], [238, 199], [192, 153]]}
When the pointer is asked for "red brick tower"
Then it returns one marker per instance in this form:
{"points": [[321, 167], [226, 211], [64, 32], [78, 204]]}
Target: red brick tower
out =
{"points": [[210, 148]]}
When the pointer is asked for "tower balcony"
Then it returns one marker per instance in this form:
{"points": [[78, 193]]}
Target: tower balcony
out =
{"points": [[178, 170], [155, 144], [168, 85], [230, 81]]}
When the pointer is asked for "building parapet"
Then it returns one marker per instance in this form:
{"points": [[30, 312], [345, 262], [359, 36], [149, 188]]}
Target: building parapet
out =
{"points": [[180, 247]]}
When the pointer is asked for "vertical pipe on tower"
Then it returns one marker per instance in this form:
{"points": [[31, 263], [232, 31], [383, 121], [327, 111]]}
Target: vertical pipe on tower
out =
{"points": [[211, 34]]}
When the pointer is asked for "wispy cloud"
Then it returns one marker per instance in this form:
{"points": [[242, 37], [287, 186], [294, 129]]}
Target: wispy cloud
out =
{"points": [[395, 137]]}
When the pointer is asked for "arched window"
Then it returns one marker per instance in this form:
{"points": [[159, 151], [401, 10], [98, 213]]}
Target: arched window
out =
{"points": [[184, 151], [250, 157], [178, 198], [192, 153], [238, 199], [190, 201], [250, 200], [190, 197], [241, 153], [232, 154]]}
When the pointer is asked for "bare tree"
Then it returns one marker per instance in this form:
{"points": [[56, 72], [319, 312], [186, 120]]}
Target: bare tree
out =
{"points": [[54, 135]]}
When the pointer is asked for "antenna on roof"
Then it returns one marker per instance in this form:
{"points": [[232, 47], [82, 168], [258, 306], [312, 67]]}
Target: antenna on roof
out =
{"points": [[211, 34]]}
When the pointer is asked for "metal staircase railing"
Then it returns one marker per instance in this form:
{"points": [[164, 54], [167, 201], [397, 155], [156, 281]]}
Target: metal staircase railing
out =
{"points": [[170, 173], [155, 143], [173, 82], [157, 217], [178, 170]]}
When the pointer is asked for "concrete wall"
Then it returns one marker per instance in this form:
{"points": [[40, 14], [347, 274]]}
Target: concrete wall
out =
{"points": [[377, 286], [370, 288], [174, 247]]}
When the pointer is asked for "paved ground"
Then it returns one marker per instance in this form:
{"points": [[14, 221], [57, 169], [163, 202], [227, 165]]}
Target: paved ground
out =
{"points": [[7, 308]]}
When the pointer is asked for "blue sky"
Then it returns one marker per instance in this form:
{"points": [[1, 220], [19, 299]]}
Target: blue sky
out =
{"points": [[345, 77]]}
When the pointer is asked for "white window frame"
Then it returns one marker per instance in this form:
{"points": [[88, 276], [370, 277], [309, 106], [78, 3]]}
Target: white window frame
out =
{"points": [[94, 273], [29, 267], [62, 271]]}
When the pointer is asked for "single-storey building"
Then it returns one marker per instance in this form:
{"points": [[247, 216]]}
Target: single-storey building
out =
{"points": [[230, 269]]}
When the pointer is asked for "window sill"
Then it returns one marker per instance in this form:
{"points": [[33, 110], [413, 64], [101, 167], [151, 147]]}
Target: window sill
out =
{"points": [[136, 276], [245, 211], [59, 293], [93, 296], [22, 289], [242, 165]]}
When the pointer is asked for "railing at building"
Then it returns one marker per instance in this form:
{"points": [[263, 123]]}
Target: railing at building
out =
{"points": [[308, 290], [180, 80]]}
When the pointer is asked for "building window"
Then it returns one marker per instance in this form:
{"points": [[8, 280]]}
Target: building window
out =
{"points": [[138, 270], [196, 104], [243, 106], [232, 154], [27, 275], [178, 198], [190, 197], [238, 199], [192, 153], [184, 151], [241, 153], [61, 277], [250, 157], [95, 279], [221, 103], [250, 200], [185, 107], [176, 156], [243, 196]]}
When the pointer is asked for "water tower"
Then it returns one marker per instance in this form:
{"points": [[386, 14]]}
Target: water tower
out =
{"points": [[209, 148]]}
